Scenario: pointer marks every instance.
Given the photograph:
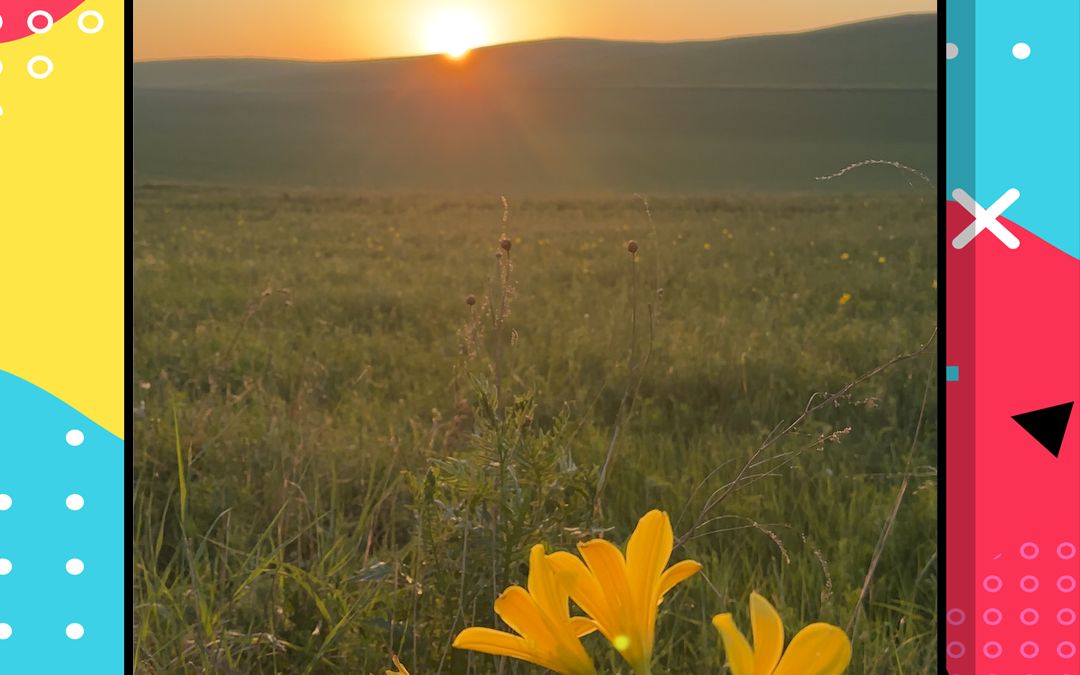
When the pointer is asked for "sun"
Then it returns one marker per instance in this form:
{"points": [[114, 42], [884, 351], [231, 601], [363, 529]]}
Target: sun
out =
{"points": [[454, 32]]}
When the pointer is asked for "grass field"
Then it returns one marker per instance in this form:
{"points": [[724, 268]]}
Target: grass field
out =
{"points": [[337, 458]]}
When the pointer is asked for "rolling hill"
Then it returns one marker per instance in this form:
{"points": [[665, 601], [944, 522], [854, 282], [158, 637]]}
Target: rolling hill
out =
{"points": [[563, 115]]}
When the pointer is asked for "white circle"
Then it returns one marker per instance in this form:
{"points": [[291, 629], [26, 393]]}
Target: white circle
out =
{"points": [[5, 567], [1066, 550], [955, 616], [74, 502], [992, 580], [35, 74], [1029, 550], [91, 13], [74, 438], [5, 502], [951, 50], [1021, 50], [74, 567], [992, 649], [5, 631], [34, 15], [1029, 584], [74, 631], [1029, 650]]}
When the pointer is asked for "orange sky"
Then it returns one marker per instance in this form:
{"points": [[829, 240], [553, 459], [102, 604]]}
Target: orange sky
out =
{"points": [[357, 29]]}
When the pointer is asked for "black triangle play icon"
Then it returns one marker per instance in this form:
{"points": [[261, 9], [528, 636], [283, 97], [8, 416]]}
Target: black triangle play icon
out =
{"points": [[1047, 425]]}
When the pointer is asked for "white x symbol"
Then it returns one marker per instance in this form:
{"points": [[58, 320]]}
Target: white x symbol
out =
{"points": [[986, 219]]}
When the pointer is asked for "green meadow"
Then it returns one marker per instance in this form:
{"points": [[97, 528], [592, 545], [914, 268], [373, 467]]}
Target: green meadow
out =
{"points": [[355, 413]]}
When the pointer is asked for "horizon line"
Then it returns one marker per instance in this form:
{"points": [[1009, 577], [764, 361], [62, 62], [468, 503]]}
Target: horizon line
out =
{"points": [[556, 38]]}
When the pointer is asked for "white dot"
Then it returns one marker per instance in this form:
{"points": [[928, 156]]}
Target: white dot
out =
{"points": [[5, 631], [36, 74], [74, 567], [5, 567], [97, 26], [5, 502], [1021, 50], [74, 502], [74, 631], [31, 24], [74, 438], [951, 50]]}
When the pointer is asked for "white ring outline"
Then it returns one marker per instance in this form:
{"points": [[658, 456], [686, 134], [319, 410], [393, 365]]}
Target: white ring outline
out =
{"points": [[96, 14], [1025, 612], [1072, 548], [1072, 615], [1033, 645], [1070, 645], [1032, 545], [35, 29], [997, 613], [36, 59], [949, 650], [1070, 580], [996, 646], [1024, 584]]}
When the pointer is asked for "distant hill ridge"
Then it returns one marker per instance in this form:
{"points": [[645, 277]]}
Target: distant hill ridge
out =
{"points": [[563, 115], [895, 52]]}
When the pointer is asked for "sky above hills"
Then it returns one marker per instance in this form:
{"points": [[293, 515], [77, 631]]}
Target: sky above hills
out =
{"points": [[361, 29]]}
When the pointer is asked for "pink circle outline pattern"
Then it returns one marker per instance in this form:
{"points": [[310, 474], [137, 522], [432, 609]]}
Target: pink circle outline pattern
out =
{"points": [[1032, 545], [1024, 584], [996, 580], [1066, 611], [996, 646], [1026, 612], [997, 616], [1071, 548], [1029, 649]]}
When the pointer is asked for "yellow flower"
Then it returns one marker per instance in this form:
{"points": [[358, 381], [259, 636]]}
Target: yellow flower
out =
{"points": [[707, 246], [845, 256], [934, 284], [546, 633], [621, 593], [397, 664], [881, 259], [845, 298], [818, 649]]}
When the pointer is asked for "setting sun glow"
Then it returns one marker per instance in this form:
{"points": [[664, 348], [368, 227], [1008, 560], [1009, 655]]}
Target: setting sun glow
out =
{"points": [[454, 32]]}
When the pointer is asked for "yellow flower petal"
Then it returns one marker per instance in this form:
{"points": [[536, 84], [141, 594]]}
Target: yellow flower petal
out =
{"points": [[740, 656], [582, 626], [607, 565], [401, 670], [550, 596], [676, 574], [768, 634], [587, 593], [648, 551], [818, 649], [517, 608], [496, 642]]}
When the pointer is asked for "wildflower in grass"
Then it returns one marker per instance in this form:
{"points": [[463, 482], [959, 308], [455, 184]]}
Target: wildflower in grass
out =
{"points": [[707, 246], [845, 298], [881, 259], [546, 633], [621, 593], [845, 256], [818, 649], [397, 664], [934, 284]]}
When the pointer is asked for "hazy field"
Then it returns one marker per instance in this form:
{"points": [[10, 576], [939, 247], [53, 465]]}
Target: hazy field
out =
{"points": [[325, 476]]}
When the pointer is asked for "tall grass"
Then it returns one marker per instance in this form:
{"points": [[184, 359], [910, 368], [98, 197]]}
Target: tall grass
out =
{"points": [[339, 457]]}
